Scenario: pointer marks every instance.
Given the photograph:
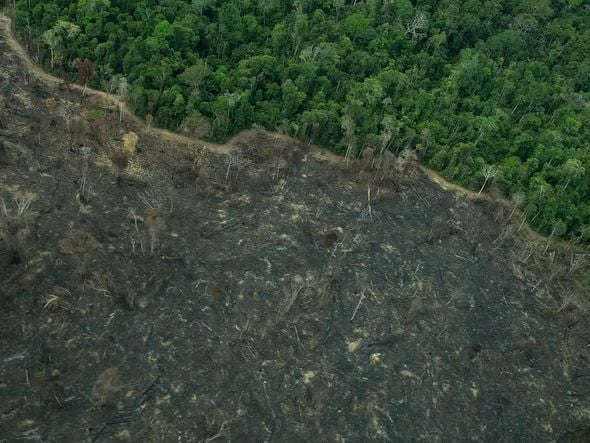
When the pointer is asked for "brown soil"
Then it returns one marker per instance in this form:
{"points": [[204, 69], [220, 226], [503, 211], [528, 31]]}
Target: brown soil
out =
{"points": [[263, 291]]}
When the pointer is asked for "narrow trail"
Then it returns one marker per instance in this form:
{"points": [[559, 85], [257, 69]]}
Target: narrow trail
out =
{"points": [[109, 99], [228, 148], [113, 100]]}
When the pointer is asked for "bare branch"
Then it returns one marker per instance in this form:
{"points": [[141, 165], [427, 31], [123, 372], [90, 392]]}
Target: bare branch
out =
{"points": [[415, 28]]}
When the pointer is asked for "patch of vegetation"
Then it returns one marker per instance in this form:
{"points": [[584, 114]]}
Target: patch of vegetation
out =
{"points": [[98, 112], [486, 91]]}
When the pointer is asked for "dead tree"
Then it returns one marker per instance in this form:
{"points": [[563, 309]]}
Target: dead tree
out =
{"points": [[488, 172], [2, 112], [123, 89], [368, 156], [348, 126], [85, 72], [120, 161], [149, 119], [415, 28], [518, 199]]}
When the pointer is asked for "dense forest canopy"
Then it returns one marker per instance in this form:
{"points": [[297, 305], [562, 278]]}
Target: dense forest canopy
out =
{"points": [[486, 91]]}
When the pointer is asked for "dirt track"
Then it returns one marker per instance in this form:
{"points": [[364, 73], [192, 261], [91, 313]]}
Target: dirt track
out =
{"points": [[16, 47], [226, 148], [113, 100]]}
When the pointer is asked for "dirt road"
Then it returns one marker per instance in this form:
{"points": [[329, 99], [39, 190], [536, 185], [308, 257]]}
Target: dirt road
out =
{"points": [[228, 148]]}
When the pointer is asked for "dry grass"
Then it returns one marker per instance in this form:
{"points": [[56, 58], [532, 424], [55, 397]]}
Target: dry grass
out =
{"points": [[57, 299], [130, 143], [77, 242], [15, 222]]}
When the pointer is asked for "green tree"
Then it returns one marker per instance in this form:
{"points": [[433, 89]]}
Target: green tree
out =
{"points": [[57, 37]]}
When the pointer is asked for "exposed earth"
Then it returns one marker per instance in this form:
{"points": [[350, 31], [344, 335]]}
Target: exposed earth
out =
{"points": [[265, 291]]}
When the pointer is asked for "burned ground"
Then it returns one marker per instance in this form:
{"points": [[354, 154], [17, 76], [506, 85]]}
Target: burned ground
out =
{"points": [[264, 294]]}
